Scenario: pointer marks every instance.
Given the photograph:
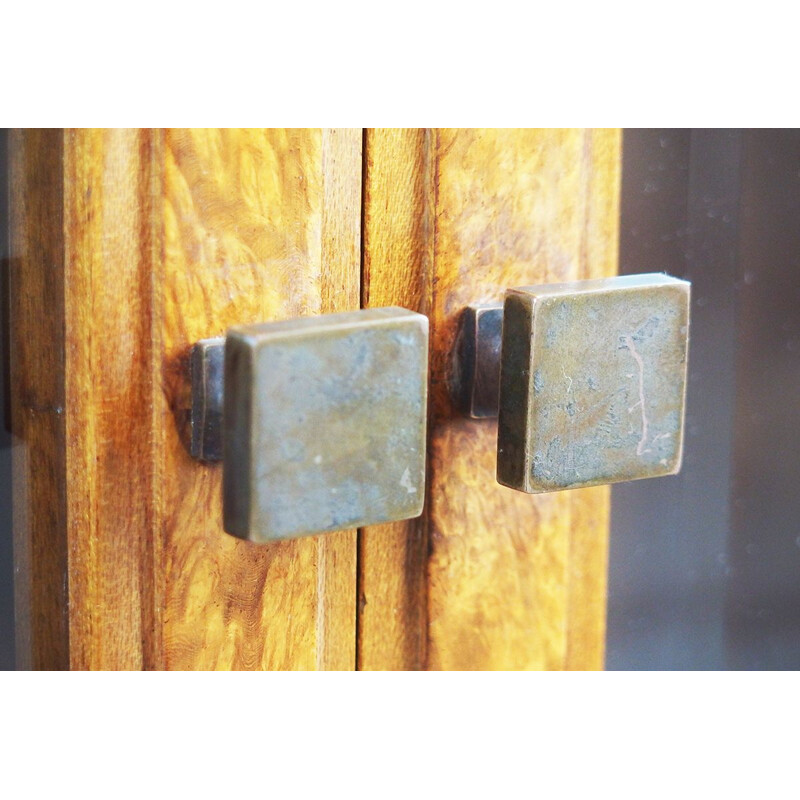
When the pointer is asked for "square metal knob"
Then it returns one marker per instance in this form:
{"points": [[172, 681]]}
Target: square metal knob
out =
{"points": [[324, 423], [593, 381]]}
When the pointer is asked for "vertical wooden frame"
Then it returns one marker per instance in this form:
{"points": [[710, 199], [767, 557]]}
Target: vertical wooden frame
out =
{"points": [[500, 579], [127, 246], [397, 270]]}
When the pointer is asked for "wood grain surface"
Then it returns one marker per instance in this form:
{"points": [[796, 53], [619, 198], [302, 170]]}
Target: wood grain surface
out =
{"points": [[113, 422], [259, 226], [511, 581], [397, 261], [127, 246]]}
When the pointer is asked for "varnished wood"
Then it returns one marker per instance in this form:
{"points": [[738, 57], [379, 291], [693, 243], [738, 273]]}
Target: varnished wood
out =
{"points": [[512, 581], [127, 247], [340, 286], [601, 166], [397, 260], [114, 466], [251, 225]]}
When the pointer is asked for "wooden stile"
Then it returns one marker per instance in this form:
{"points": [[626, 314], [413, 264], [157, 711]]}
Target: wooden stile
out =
{"points": [[127, 246], [511, 581]]}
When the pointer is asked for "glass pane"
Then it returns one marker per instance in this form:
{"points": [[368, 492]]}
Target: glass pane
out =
{"points": [[705, 566]]}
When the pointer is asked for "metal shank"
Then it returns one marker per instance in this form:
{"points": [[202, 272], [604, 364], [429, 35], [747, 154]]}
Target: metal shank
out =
{"points": [[475, 373], [207, 365]]}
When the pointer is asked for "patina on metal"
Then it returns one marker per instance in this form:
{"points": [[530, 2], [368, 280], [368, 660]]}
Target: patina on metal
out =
{"points": [[475, 373], [593, 382], [324, 423], [207, 367]]}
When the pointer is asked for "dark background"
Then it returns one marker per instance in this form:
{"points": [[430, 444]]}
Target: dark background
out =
{"points": [[704, 568], [6, 563]]}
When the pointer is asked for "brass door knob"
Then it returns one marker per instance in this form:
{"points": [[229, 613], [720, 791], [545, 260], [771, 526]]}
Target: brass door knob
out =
{"points": [[588, 380], [324, 420]]}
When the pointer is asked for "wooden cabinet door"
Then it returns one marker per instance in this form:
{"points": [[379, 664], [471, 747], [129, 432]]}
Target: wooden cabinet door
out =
{"points": [[128, 246]]}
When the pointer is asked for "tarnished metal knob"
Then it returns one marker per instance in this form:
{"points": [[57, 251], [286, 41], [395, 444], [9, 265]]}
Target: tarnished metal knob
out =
{"points": [[592, 380], [324, 422]]}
